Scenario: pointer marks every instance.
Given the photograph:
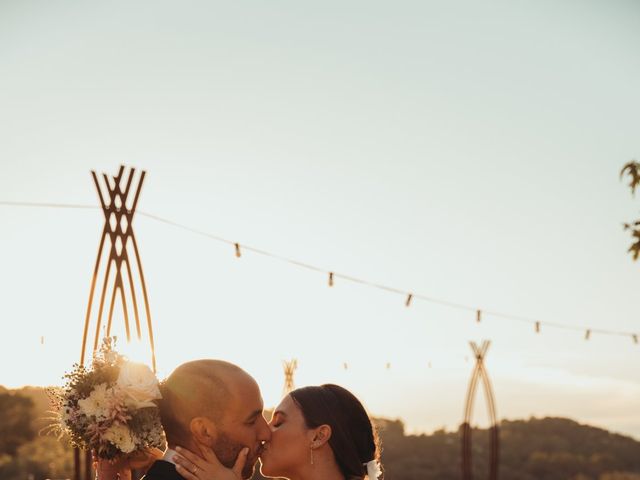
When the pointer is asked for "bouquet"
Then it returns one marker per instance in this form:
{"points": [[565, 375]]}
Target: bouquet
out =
{"points": [[109, 408]]}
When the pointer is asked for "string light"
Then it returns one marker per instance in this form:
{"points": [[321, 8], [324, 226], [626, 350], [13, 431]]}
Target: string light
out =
{"points": [[409, 296], [293, 365]]}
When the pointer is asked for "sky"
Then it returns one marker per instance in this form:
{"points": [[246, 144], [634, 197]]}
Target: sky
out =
{"points": [[466, 151]]}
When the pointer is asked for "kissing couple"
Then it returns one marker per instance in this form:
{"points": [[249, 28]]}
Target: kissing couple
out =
{"points": [[212, 415]]}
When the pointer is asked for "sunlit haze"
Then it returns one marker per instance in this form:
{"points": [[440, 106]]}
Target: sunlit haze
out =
{"points": [[467, 152]]}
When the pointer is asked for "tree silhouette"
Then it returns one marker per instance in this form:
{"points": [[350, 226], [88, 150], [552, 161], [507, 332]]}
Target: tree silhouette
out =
{"points": [[632, 170], [15, 422]]}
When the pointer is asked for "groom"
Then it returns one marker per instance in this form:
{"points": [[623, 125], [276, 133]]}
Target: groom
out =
{"points": [[214, 404]]}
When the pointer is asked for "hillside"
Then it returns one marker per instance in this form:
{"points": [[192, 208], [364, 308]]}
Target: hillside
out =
{"points": [[546, 448], [537, 448]]}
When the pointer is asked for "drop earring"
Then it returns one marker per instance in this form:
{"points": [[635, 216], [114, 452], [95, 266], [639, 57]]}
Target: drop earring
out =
{"points": [[311, 450]]}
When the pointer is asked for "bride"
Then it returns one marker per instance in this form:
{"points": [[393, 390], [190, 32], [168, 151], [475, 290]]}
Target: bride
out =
{"points": [[317, 433]]}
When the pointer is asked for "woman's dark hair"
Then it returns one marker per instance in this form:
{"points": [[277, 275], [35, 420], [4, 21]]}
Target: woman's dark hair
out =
{"points": [[353, 440]]}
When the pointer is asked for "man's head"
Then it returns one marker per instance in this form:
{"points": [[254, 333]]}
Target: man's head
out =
{"points": [[217, 404]]}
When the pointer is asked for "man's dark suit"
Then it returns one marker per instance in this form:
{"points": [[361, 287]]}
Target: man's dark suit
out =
{"points": [[161, 470]]}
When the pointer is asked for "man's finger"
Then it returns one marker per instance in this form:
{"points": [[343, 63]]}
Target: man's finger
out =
{"points": [[240, 462], [125, 474]]}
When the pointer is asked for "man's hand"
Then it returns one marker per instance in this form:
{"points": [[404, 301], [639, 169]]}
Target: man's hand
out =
{"points": [[121, 469], [106, 470]]}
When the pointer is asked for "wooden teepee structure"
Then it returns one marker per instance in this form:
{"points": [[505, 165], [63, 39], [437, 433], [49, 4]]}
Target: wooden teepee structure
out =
{"points": [[118, 255]]}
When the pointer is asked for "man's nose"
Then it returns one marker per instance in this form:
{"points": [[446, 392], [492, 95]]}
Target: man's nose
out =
{"points": [[265, 432]]}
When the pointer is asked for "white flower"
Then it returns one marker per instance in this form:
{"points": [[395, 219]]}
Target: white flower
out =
{"points": [[97, 403], [111, 357], [373, 470], [139, 384], [120, 436]]}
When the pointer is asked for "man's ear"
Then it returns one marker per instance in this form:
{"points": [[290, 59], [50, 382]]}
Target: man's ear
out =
{"points": [[203, 430], [321, 435]]}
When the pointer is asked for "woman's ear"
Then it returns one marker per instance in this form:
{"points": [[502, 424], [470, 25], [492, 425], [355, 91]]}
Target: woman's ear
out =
{"points": [[321, 435], [203, 430]]}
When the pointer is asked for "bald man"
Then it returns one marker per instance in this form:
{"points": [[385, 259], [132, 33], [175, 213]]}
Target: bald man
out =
{"points": [[214, 404]]}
